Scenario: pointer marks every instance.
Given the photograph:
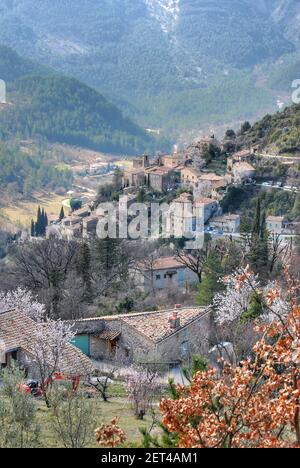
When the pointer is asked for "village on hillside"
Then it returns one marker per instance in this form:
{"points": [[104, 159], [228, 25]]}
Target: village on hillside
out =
{"points": [[116, 318]]}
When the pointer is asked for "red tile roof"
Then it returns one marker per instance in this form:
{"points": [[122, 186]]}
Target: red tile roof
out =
{"points": [[156, 326], [162, 263], [17, 331]]}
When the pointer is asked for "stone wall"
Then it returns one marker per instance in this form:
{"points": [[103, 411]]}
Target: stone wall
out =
{"points": [[193, 339], [132, 347]]}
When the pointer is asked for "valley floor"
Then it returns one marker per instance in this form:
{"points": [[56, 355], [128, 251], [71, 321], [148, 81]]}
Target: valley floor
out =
{"points": [[20, 213]]}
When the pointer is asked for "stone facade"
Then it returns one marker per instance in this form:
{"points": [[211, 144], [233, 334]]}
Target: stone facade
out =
{"points": [[149, 337]]}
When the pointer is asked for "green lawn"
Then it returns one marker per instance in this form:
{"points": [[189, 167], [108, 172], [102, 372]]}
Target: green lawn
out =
{"points": [[104, 413]]}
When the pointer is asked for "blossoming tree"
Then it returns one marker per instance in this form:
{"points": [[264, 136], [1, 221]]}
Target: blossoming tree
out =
{"points": [[142, 386], [22, 300], [256, 404]]}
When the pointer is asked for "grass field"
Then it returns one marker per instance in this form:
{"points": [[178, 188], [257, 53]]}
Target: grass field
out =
{"points": [[104, 413], [22, 212]]}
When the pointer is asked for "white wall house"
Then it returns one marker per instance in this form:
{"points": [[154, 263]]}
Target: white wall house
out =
{"points": [[275, 224], [162, 274]]}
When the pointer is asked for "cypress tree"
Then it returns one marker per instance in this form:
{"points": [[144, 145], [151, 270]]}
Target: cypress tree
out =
{"points": [[62, 214], [210, 285], [46, 221], [259, 251], [38, 226], [32, 229], [257, 220]]}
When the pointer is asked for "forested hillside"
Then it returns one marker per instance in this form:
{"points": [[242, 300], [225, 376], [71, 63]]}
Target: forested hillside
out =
{"points": [[64, 110], [278, 133], [13, 67], [21, 173], [61, 109], [153, 58]]}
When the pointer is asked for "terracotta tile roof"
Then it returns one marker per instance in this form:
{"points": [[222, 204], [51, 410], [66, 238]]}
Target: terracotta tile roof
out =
{"points": [[192, 170], [109, 335], [225, 218], [162, 263], [211, 177], [275, 219], [243, 166], [160, 170], [155, 325], [17, 331], [242, 153], [184, 198], [205, 201]]}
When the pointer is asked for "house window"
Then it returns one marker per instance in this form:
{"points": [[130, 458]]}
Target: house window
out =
{"points": [[158, 277]]}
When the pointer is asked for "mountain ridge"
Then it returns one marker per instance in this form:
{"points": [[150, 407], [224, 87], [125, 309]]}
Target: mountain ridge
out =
{"points": [[155, 56], [62, 109]]}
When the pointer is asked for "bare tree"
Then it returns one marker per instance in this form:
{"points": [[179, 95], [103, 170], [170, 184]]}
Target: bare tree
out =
{"points": [[279, 250], [43, 267], [194, 260]]}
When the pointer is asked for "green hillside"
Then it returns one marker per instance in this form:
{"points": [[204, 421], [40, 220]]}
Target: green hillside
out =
{"points": [[13, 67], [61, 109], [278, 133], [156, 59]]}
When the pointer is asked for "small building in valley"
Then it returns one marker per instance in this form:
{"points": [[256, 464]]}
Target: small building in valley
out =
{"points": [[162, 274], [168, 337], [280, 225], [229, 223]]}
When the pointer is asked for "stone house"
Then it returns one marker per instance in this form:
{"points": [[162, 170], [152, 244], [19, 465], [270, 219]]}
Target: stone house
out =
{"points": [[134, 178], [89, 225], [190, 177], [280, 225], [229, 223], [141, 163], [243, 172], [162, 179], [240, 156], [216, 182], [82, 213], [162, 274], [166, 337], [211, 207], [171, 161], [156, 176], [189, 214], [17, 335]]}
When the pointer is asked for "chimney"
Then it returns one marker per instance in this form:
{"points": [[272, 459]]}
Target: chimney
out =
{"points": [[174, 321]]}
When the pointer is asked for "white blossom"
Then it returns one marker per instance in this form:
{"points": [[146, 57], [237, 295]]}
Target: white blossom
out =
{"points": [[141, 386], [22, 301], [235, 301], [280, 307], [50, 344]]}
